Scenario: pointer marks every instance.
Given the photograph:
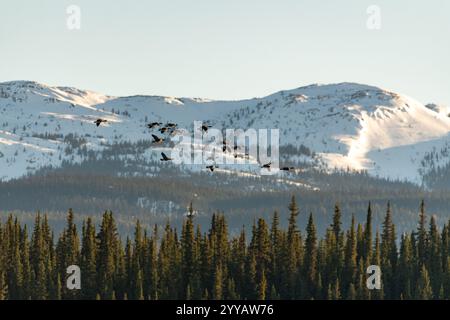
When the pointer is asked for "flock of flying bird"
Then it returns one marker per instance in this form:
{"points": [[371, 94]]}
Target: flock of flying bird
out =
{"points": [[171, 128]]}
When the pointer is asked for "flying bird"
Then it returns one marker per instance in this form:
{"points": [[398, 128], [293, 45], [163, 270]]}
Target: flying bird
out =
{"points": [[164, 157], [98, 122], [212, 167], [154, 124], [157, 139], [171, 125], [287, 168], [267, 165], [163, 130]]}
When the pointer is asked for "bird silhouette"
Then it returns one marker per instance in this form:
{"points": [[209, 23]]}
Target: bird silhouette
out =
{"points": [[164, 157], [287, 168], [212, 167], [99, 121], [157, 139], [267, 165], [154, 124], [163, 130], [171, 125]]}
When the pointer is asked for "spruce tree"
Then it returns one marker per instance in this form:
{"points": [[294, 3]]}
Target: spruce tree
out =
{"points": [[405, 267], [310, 263], [424, 290], [434, 258], [88, 261], [188, 253], [218, 283], [25, 261], [292, 253], [445, 256], [389, 255], [107, 242], [368, 235], [422, 237], [68, 253], [39, 289], [350, 263]]}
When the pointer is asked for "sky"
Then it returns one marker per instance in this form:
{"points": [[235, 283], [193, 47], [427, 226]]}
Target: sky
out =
{"points": [[228, 49]]}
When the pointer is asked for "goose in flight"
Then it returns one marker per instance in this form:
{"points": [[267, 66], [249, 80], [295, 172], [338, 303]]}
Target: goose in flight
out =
{"points": [[212, 167], [99, 121], [164, 157], [157, 139], [267, 165], [154, 124], [287, 169]]}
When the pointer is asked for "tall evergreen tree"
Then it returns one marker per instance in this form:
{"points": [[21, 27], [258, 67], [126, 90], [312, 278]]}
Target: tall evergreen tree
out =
{"points": [[389, 255], [292, 253], [434, 258], [405, 265], [188, 254], [424, 290], [310, 263], [107, 240], [368, 235], [88, 261], [350, 263], [422, 237]]}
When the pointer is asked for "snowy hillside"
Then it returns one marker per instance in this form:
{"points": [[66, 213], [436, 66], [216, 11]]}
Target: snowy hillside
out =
{"points": [[346, 125]]}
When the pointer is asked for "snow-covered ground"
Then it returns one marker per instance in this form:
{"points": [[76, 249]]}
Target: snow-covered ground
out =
{"points": [[347, 125]]}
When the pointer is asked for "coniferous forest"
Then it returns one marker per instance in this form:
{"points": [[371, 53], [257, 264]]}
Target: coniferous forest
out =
{"points": [[269, 263]]}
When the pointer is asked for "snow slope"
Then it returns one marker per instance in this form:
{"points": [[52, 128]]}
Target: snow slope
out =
{"points": [[347, 125]]}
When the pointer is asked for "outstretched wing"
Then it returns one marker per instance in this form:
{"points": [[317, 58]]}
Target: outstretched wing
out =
{"points": [[155, 137], [164, 156]]}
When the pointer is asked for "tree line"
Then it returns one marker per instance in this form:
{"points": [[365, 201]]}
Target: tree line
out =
{"points": [[269, 263]]}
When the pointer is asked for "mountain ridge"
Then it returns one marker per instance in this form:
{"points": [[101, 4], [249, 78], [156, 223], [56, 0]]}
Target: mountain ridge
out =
{"points": [[347, 125]]}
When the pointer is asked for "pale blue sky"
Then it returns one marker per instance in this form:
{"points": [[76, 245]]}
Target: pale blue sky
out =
{"points": [[228, 49]]}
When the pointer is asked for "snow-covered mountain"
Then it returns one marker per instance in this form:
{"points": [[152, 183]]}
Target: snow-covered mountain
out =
{"points": [[346, 125]]}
